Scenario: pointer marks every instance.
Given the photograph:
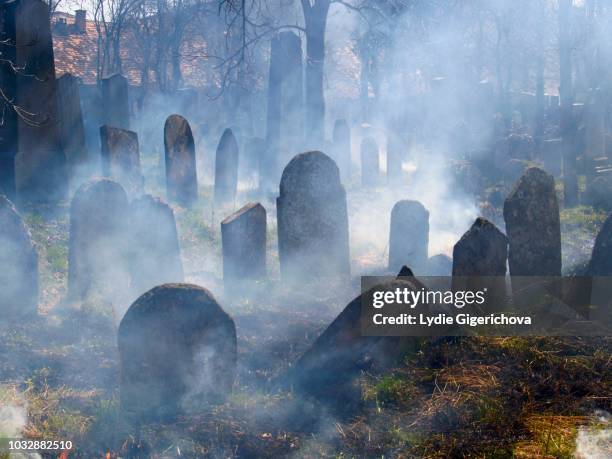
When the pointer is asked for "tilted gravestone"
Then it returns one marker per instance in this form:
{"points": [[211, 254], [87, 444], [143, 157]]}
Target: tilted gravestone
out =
{"points": [[181, 176], [313, 239], [98, 247], [370, 163], [226, 169], [479, 263], [342, 149], [115, 101], [481, 251], [177, 347], [243, 236], [409, 236], [329, 370], [155, 254], [19, 261], [531, 213], [601, 258], [40, 165], [121, 158], [72, 130]]}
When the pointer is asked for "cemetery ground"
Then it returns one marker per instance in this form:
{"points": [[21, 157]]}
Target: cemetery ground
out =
{"points": [[451, 397]]}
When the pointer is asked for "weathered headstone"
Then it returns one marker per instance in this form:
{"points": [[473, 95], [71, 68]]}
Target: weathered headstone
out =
{"points": [[329, 369], [481, 251], [601, 258], [313, 239], [439, 265], [342, 149], [121, 158], [99, 241], [40, 165], [19, 261], [243, 236], [72, 130], [226, 169], [370, 164], [531, 213], [395, 148], [115, 101], [177, 347], [409, 236], [599, 192], [181, 176], [479, 263], [155, 254]]}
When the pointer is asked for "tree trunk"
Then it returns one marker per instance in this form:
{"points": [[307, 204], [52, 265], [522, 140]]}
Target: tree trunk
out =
{"points": [[570, 179], [8, 83], [315, 17]]}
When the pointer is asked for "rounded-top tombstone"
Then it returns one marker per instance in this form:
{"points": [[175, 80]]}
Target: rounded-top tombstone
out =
{"points": [[226, 169], [98, 243], [19, 261], [313, 239], [601, 258], [531, 213], [181, 177], [177, 347], [409, 236]]}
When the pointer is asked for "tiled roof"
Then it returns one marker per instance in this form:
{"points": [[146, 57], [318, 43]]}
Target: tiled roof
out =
{"points": [[76, 53]]}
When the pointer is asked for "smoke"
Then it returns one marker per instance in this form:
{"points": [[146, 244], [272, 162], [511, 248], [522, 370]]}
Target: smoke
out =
{"points": [[13, 421], [595, 442]]}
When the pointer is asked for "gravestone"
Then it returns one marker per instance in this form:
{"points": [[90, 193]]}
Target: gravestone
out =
{"points": [[370, 165], [479, 263], [313, 240], [601, 257], [99, 244], [599, 191], [115, 101], [19, 261], [440, 265], [409, 236], [181, 177], [531, 213], [395, 148], [40, 165], [121, 158], [72, 130], [155, 254], [243, 236], [481, 251], [330, 368], [177, 348], [342, 149], [226, 169]]}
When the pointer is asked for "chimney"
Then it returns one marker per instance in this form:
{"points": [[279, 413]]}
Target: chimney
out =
{"points": [[80, 21]]}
